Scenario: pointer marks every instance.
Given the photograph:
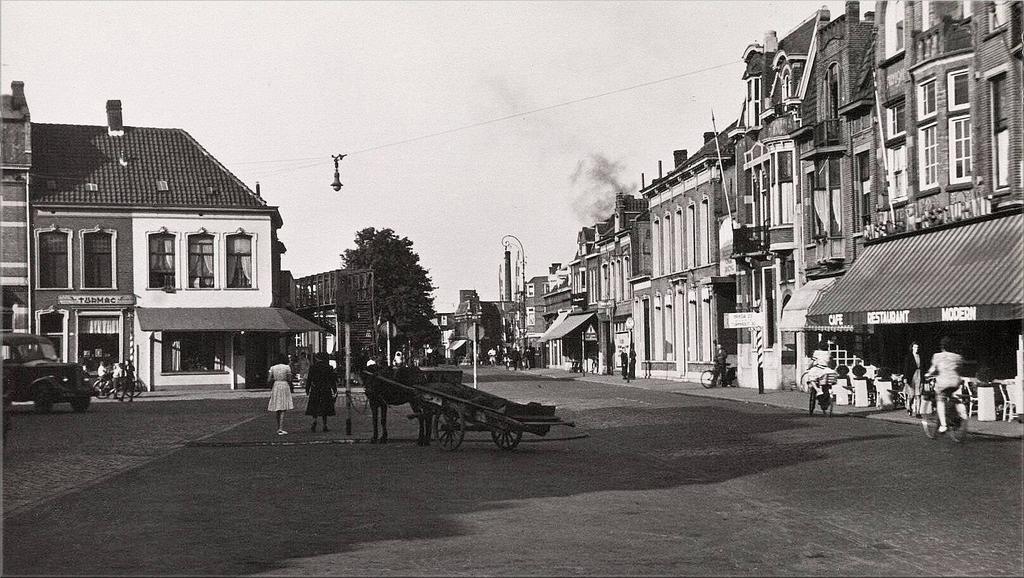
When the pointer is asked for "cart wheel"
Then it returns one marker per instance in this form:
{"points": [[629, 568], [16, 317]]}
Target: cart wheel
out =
{"points": [[506, 439], [450, 429]]}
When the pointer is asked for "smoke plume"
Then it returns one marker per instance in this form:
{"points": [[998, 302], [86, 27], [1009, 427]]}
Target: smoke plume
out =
{"points": [[595, 183]]}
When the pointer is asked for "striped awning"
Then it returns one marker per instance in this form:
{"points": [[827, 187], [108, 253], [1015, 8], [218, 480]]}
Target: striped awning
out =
{"points": [[968, 272], [794, 315], [223, 319]]}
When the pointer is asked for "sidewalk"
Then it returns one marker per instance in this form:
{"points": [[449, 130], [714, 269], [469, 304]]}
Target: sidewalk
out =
{"points": [[795, 400]]}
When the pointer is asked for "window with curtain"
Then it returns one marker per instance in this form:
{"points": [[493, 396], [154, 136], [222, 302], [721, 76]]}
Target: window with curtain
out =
{"points": [[929, 156], [239, 261], [1000, 132], [897, 167], [97, 260], [960, 149], [53, 260], [784, 182], [827, 200], [200, 261], [832, 91], [161, 261], [191, 352]]}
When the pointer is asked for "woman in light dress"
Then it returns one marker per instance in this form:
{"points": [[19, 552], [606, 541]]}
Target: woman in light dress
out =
{"points": [[280, 379]]}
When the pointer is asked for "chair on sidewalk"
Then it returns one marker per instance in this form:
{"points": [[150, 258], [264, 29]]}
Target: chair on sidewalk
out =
{"points": [[1010, 403], [969, 393]]}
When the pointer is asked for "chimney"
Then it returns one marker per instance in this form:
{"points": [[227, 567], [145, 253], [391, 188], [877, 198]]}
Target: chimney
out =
{"points": [[869, 17], [824, 14], [679, 157], [643, 182], [507, 289], [771, 42], [852, 10], [660, 174], [554, 268], [708, 136], [18, 95], [114, 125]]}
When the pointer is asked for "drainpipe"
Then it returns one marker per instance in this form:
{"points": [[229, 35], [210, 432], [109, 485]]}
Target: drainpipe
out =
{"points": [[28, 251]]}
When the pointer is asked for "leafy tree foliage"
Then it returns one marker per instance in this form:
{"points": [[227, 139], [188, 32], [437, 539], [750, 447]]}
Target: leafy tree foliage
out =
{"points": [[402, 287]]}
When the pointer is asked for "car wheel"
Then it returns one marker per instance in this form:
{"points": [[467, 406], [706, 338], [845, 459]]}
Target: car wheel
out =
{"points": [[80, 404]]}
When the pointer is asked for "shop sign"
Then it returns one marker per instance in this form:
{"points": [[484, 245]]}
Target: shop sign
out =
{"points": [[835, 319], [959, 313], [590, 334], [78, 299], [743, 320], [888, 317]]}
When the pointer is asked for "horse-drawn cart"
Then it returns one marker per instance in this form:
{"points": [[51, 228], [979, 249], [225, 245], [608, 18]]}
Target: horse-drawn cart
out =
{"points": [[457, 408]]}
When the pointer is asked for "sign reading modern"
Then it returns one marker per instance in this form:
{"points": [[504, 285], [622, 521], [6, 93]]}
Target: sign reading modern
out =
{"points": [[79, 299]]}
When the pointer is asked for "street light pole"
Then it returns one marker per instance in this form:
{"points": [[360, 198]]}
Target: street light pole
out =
{"points": [[506, 241]]}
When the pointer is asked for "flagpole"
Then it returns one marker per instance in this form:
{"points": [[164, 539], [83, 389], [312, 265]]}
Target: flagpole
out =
{"points": [[721, 168]]}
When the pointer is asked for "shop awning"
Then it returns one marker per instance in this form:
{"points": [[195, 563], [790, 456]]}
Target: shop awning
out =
{"points": [[971, 272], [554, 326], [458, 343], [794, 316], [208, 319], [569, 327]]}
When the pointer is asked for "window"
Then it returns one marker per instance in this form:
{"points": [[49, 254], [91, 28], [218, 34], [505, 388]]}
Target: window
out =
{"points": [[897, 120], [929, 156], [705, 233], [670, 243], [827, 200], [99, 339], [191, 352], [785, 84], [161, 261], [753, 101], [53, 260], [691, 237], [894, 13], [200, 261], [897, 166], [1000, 132], [960, 149], [862, 205], [656, 226], [240, 261], [97, 260], [680, 258], [769, 307], [832, 91], [956, 91], [530, 290], [784, 182], [926, 14], [531, 316], [926, 99], [998, 13]]}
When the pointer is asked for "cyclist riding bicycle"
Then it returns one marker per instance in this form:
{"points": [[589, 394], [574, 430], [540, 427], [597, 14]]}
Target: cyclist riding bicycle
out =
{"points": [[820, 378], [946, 370]]}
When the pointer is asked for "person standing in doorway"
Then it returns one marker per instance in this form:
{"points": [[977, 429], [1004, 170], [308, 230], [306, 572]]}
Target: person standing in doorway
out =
{"points": [[912, 379], [280, 379], [624, 360], [322, 390], [632, 362]]}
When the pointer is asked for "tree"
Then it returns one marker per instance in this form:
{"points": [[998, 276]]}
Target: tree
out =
{"points": [[401, 286]]}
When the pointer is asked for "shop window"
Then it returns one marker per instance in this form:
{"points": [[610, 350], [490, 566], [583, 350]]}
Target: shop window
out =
{"points": [[161, 261], [200, 261], [99, 339], [239, 261], [51, 325], [98, 260], [191, 352], [53, 260]]}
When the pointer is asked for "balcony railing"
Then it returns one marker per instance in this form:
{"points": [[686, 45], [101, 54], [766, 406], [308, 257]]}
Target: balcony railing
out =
{"points": [[749, 240], [828, 133], [948, 36]]}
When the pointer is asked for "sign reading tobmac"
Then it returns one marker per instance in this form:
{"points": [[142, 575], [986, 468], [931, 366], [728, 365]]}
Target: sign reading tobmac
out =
{"points": [[79, 299]]}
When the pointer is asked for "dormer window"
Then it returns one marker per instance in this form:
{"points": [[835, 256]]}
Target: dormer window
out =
{"points": [[162, 186], [753, 100]]}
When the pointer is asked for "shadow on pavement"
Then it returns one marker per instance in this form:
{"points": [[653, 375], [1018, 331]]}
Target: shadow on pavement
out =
{"points": [[245, 510]]}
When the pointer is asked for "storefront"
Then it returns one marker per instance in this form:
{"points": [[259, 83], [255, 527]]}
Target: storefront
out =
{"points": [[964, 280], [577, 338], [89, 329]]}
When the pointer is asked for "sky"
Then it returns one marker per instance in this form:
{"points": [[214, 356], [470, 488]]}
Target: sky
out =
{"points": [[462, 122]]}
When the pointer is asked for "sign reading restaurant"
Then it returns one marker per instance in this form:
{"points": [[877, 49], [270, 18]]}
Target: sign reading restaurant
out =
{"points": [[79, 299], [922, 315]]}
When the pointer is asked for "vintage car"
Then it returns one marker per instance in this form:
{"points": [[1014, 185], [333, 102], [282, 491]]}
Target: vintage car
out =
{"points": [[33, 372]]}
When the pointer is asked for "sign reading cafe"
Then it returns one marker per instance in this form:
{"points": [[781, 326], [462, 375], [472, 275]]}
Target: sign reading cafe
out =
{"points": [[79, 299]]}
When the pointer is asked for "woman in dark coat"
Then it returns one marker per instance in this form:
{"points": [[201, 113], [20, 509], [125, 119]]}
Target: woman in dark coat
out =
{"points": [[912, 379], [322, 389]]}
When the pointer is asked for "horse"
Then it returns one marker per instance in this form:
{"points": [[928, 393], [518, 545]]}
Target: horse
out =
{"points": [[380, 394]]}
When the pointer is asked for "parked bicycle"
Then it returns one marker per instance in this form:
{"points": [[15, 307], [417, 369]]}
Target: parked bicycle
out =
{"points": [[711, 378], [120, 389], [957, 426]]}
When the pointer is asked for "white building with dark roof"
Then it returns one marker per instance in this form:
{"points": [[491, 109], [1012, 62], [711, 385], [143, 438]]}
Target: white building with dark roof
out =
{"points": [[144, 247]]}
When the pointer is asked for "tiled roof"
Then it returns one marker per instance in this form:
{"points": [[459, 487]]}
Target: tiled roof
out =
{"points": [[67, 160], [799, 40]]}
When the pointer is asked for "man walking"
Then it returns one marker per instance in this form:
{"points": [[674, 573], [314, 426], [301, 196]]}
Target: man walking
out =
{"points": [[624, 360]]}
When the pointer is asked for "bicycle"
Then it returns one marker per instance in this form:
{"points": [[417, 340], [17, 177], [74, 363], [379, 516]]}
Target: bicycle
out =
{"points": [[129, 388], [826, 399], [957, 426], [710, 378]]}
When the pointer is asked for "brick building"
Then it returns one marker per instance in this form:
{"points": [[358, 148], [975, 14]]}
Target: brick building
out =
{"points": [[15, 274]]}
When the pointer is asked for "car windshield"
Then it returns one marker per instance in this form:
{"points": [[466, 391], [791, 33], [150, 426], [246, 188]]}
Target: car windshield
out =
{"points": [[37, 351]]}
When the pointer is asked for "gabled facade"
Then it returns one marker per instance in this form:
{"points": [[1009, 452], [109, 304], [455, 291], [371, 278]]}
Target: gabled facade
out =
{"points": [[15, 234]]}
